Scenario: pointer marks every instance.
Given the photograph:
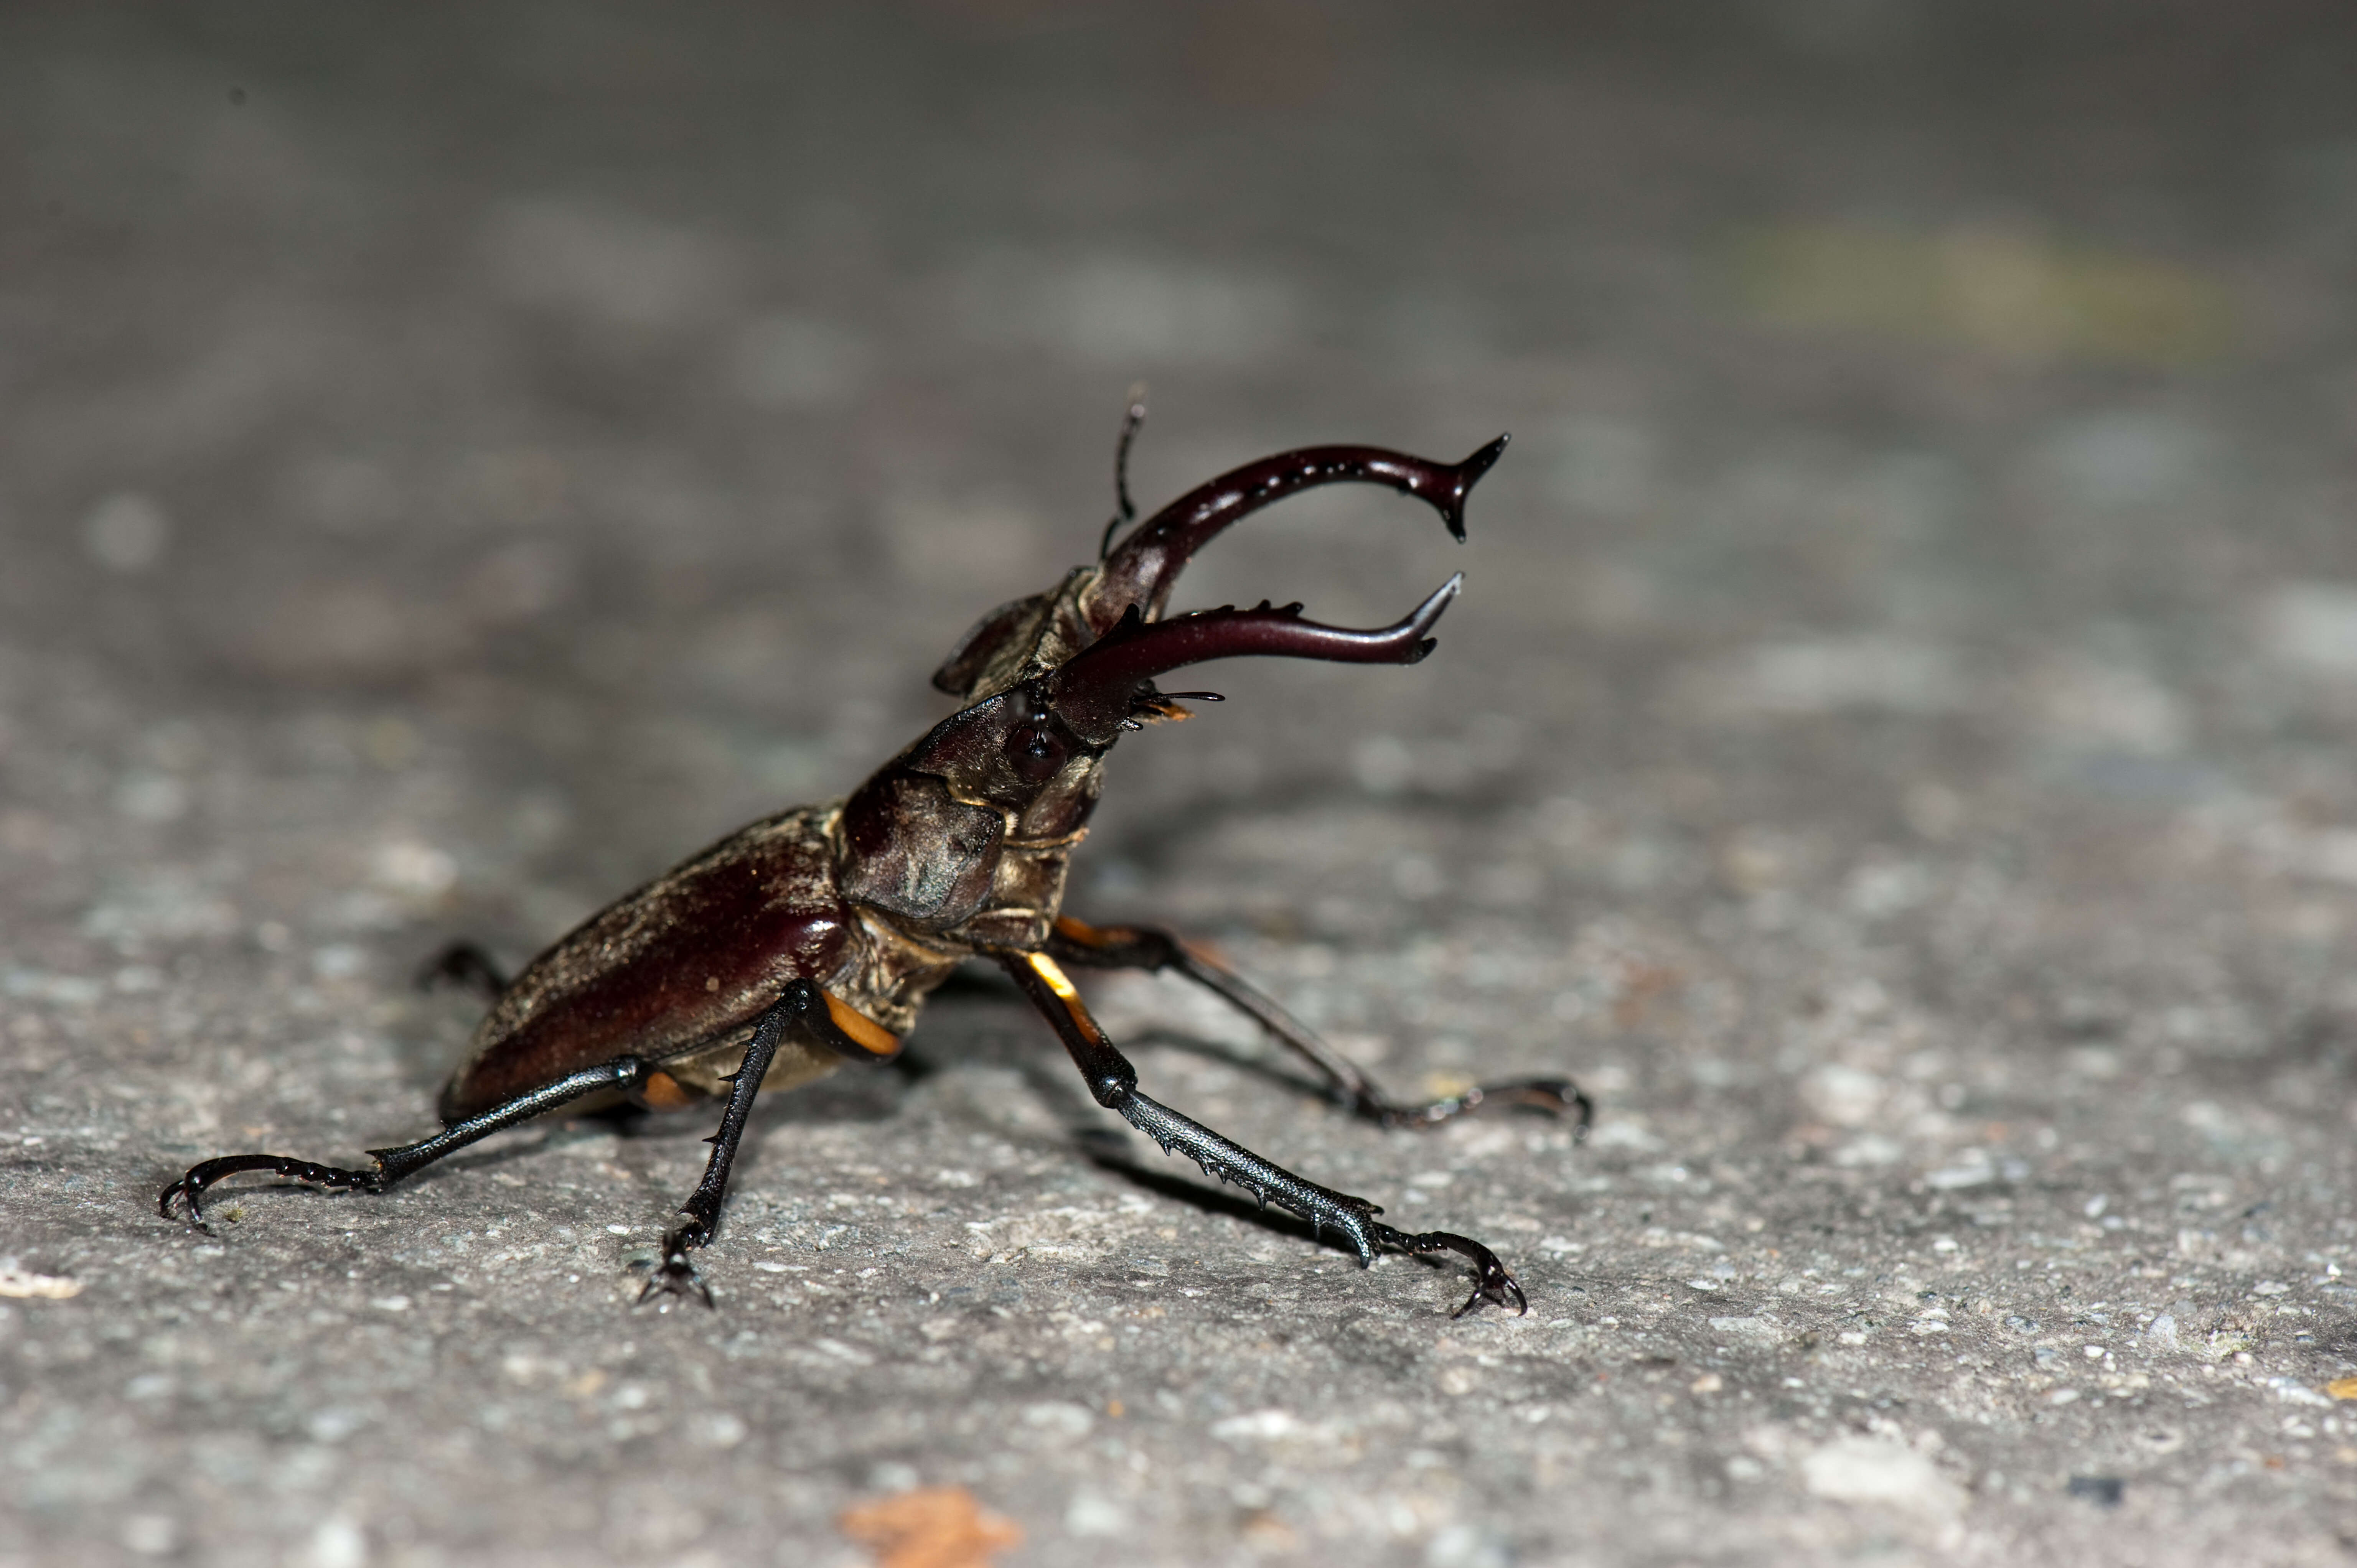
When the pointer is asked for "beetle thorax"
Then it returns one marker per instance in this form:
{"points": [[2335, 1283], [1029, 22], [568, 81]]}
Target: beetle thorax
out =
{"points": [[959, 861]]}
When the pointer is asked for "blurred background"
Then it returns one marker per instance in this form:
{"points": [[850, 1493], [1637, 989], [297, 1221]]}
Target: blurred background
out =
{"points": [[457, 460], [636, 404]]}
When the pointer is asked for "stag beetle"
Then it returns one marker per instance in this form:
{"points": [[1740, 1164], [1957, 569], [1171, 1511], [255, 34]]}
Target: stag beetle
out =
{"points": [[812, 937]]}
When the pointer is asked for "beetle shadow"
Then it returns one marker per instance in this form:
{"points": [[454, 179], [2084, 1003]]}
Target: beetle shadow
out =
{"points": [[1099, 1136], [1158, 842], [1115, 1153], [983, 984], [1268, 1068]]}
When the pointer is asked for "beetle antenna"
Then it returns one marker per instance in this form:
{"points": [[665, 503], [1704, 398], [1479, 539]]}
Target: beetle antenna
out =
{"points": [[1125, 512]]}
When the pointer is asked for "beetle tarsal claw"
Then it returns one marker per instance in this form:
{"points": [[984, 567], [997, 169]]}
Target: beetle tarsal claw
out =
{"points": [[677, 1275]]}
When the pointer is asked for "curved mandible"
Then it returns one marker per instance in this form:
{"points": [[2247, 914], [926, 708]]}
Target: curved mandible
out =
{"points": [[1144, 567], [1096, 690]]}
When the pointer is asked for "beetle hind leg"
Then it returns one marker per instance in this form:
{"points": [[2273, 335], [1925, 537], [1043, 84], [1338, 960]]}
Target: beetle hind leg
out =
{"points": [[192, 1184], [391, 1165], [1151, 949], [1113, 1083], [464, 964]]}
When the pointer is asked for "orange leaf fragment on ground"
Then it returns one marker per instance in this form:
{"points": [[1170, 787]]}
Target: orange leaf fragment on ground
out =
{"points": [[938, 1527], [2342, 1388]]}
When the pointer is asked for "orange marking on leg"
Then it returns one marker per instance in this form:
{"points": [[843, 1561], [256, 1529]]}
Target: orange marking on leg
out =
{"points": [[1205, 952], [865, 1033], [1080, 931]]}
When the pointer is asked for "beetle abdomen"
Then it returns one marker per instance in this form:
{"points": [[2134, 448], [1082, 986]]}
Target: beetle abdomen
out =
{"points": [[688, 960]]}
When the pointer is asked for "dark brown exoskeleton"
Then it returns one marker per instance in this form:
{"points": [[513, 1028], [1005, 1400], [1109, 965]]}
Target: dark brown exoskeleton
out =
{"points": [[813, 937]]}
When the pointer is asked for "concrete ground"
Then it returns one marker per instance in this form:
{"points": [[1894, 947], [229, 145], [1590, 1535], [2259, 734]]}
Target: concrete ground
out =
{"points": [[1894, 747]]}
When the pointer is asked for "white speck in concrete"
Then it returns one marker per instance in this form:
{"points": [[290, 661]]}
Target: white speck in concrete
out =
{"points": [[1466, 1546], [126, 532], [413, 870], [338, 1542], [1262, 1424], [1059, 1419], [716, 1429], [1871, 1470], [150, 1534], [1092, 1513], [2311, 625], [1745, 1327], [1844, 1096]]}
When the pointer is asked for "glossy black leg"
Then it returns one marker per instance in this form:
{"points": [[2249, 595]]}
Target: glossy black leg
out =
{"points": [[700, 1215], [802, 1005], [390, 1166], [1150, 947], [1114, 1082]]}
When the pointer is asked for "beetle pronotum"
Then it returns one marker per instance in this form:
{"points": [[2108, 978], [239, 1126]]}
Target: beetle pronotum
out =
{"points": [[813, 937]]}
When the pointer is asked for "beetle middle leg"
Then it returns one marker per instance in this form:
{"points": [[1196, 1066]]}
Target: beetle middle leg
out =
{"points": [[1114, 1082], [1150, 947]]}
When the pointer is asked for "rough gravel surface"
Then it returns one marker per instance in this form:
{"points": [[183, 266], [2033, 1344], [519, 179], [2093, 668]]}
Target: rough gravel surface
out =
{"points": [[1894, 748]]}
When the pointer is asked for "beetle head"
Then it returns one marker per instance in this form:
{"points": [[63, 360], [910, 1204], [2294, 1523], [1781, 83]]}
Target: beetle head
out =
{"points": [[927, 835], [971, 825]]}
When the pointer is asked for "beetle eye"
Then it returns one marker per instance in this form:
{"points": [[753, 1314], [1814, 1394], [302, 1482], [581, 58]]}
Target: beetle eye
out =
{"points": [[1035, 753]]}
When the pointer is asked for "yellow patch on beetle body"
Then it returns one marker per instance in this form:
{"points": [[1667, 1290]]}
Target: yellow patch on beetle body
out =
{"points": [[664, 1092]]}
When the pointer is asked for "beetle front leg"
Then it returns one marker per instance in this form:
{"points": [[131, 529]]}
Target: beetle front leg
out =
{"points": [[1114, 1082], [1152, 948], [803, 1004]]}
